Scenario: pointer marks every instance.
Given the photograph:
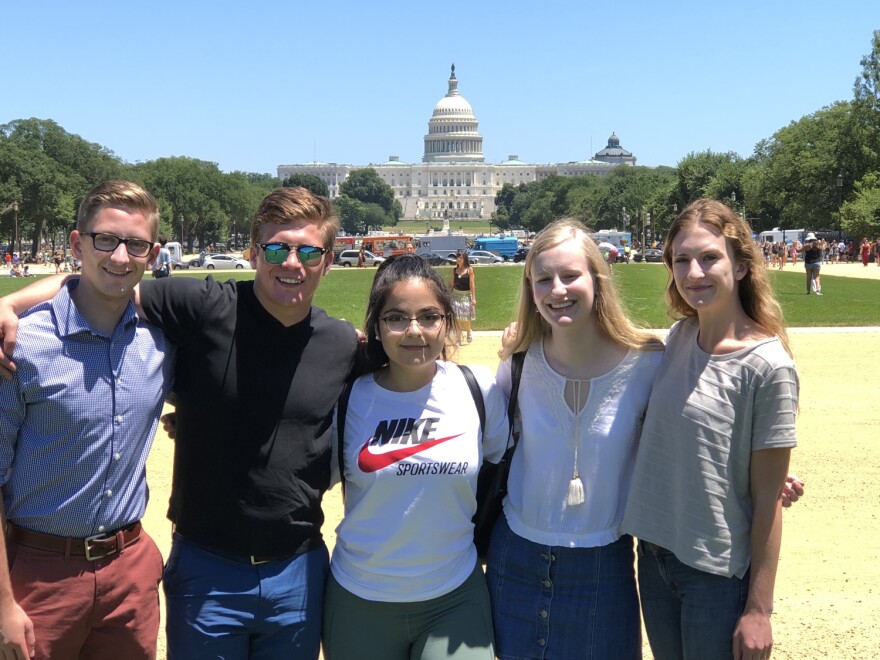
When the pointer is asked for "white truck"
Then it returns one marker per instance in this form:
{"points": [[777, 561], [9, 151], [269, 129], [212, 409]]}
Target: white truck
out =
{"points": [[440, 244], [777, 235], [176, 254]]}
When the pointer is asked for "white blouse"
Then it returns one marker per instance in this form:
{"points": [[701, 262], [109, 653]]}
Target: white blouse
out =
{"points": [[605, 433]]}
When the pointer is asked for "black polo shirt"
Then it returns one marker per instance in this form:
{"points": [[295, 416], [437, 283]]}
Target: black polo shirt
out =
{"points": [[254, 408]]}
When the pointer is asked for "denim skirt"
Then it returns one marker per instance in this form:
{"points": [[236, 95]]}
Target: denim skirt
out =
{"points": [[567, 603]]}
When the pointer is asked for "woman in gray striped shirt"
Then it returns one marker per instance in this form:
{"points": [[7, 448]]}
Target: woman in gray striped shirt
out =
{"points": [[715, 448]]}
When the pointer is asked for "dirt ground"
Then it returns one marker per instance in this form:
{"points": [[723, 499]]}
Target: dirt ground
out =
{"points": [[827, 601]]}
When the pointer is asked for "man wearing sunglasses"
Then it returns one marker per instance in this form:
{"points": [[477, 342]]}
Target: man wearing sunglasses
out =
{"points": [[78, 575], [258, 372]]}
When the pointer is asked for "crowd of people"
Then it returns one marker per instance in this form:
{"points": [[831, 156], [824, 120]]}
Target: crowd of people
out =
{"points": [[832, 251], [682, 444]]}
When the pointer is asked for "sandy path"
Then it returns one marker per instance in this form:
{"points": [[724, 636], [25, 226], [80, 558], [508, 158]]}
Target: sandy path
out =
{"points": [[828, 590]]}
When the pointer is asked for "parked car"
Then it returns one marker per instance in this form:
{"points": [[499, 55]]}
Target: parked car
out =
{"points": [[436, 259], [225, 262], [649, 254], [349, 258], [484, 257], [520, 255]]}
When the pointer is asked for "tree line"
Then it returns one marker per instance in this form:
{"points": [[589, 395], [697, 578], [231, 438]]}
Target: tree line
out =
{"points": [[820, 172]]}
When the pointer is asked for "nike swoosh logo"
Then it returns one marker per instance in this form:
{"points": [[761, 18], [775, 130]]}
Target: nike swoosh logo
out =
{"points": [[369, 462]]}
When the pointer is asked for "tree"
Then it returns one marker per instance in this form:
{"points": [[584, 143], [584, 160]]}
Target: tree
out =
{"points": [[696, 172], [861, 215], [799, 166], [309, 182], [47, 171], [265, 182], [367, 186], [357, 217], [190, 191]]}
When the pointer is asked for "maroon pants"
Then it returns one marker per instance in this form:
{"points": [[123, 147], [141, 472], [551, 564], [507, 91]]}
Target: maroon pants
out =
{"points": [[103, 610]]}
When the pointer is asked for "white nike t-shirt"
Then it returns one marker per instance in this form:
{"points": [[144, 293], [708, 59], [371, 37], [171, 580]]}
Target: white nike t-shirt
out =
{"points": [[411, 464]]}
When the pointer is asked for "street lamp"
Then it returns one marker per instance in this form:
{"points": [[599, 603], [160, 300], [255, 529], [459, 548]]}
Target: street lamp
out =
{"points": [[839, 202]]}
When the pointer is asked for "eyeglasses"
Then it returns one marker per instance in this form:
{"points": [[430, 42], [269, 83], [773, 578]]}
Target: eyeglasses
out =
{"points": [[137, 247], [277, 253], [401, 323]]}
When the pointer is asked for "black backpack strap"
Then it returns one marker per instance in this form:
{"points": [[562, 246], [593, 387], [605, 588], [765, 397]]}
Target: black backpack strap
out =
{"points": [[341, 411], [516, 367], [476, 393]]}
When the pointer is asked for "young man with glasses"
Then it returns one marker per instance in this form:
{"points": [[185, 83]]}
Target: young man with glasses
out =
{"points": [[78, 575], [258, 373]]}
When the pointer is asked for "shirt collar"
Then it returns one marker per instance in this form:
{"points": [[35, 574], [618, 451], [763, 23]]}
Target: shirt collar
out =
{"points": [[69, 319]]}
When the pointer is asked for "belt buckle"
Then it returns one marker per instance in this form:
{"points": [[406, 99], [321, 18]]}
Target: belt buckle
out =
{"points": [[88, 549], [257, 562]]}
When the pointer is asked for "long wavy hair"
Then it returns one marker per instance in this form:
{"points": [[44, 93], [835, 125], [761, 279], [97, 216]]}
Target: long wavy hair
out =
{"points": [[755, 294], [611, 319]]}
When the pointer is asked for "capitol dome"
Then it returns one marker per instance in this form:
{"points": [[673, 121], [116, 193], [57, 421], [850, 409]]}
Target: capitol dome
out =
{"points": [[452, 130]]}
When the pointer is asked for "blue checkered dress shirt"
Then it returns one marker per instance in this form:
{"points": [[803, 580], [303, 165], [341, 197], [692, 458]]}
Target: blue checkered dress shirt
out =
{"points": [[77, 422]]}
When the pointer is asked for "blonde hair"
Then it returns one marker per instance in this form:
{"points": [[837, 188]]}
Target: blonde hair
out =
{"points": [[755, 294], [118, 194], [611, 319], [287, 205]]}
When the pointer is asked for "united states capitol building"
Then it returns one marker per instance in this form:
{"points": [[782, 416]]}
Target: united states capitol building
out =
{"points": [[453, 180]]}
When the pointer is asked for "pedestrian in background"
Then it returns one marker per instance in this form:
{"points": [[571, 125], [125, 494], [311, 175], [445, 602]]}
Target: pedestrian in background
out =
{"points": [[813, 263], [464, 294]]}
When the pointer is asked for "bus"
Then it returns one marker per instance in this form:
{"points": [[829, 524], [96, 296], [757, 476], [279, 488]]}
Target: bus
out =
{"points": [[504, 246], [385, 246]]}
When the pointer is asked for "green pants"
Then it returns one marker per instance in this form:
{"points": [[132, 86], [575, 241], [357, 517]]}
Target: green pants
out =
{"points": [[457, 625]]}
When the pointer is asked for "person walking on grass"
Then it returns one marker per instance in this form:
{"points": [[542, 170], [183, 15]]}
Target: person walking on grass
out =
{"points": [[813, 263], [865, 251], [464, 294]]}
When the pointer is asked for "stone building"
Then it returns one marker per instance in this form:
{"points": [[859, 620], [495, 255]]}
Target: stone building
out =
{"points": [[453, 180]]}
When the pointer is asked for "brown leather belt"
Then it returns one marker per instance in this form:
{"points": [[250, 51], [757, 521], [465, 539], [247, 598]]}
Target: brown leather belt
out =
{"points": [[92, 548]]}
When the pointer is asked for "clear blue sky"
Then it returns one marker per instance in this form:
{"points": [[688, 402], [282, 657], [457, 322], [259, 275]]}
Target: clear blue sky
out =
{"points": [[250, 85]]}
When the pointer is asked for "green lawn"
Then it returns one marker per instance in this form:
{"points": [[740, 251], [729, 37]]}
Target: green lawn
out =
{"points": [[847, 301]]}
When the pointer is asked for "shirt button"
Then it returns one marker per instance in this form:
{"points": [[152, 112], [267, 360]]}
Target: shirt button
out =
{"points": [[541, 642], [117, 456], [543, 614], [119, 419], [108, 493], [547, 583], [101, 529]]}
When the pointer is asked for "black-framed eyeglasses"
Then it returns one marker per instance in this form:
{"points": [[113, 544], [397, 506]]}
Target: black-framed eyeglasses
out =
{"points": [[426, 322], [137, 247], [277, 253]]}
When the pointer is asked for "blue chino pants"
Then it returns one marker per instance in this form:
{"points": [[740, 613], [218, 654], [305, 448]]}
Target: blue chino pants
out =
{"points": [[222, 607]]}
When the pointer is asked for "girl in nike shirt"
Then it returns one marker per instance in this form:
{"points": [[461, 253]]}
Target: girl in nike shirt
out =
{"points": [[405, 581], [560, 572]]}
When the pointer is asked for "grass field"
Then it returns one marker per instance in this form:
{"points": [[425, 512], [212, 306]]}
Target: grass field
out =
{"points": [[847, 301]]}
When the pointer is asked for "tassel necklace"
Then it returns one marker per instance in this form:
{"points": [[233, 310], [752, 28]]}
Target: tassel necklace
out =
{"points": [[576, 486]]}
